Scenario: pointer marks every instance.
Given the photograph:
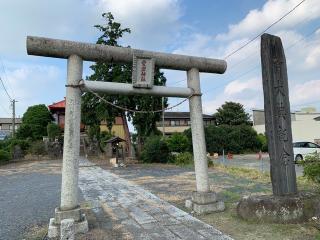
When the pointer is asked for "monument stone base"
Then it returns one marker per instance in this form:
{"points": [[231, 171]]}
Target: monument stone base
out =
{"points": [[279, 209], [80, 222], [205, 202]]}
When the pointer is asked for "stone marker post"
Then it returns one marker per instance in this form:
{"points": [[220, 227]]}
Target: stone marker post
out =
{"points": [[277, 116], [285, 205]]}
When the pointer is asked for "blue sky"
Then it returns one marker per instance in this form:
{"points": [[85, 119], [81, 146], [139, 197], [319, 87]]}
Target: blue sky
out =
{"points": [[203, 28]]}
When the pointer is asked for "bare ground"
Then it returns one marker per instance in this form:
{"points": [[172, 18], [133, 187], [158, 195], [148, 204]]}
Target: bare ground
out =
{"points": [[174, 184]]}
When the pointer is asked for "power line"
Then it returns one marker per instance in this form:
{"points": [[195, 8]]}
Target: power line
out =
{"points": [[234, 66], [6, 76], [5, 89], [270, 26], [258, 65]]}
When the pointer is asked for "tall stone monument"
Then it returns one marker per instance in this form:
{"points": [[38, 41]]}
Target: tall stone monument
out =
{"points": [[286, 205], [277, 116]]}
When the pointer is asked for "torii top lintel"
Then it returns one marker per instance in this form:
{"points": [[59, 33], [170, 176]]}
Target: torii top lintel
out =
{"points": [[49, 47]]}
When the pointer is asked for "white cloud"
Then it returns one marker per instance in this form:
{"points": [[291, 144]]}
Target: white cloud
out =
{"points": [[153, 23], [33, 84], [240, 86], [72, 19], [313, 58], [197, 45], [306, 92], [258, 19]]}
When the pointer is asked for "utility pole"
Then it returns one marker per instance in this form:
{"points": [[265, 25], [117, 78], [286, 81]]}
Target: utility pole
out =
{"points": [[13, 117]]}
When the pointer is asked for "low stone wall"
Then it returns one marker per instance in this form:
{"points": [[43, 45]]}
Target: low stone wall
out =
{"points": [[284, 209]]}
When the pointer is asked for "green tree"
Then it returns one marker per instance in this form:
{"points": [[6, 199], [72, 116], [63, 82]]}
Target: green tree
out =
{"points": [[234, 139], [155, 150], [34, 122], [178, 142], [53, 131], [311, 167], [94, 111], [263, 142], [231, 113]]}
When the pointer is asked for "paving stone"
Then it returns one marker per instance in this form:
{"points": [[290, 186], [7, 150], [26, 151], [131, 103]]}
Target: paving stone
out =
{"points": [[166, 219], [185, 233], [159, 232], [127, 211], [141, 216]]}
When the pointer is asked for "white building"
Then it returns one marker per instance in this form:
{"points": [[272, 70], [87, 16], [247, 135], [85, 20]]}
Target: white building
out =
{"points": [[305, 124]]}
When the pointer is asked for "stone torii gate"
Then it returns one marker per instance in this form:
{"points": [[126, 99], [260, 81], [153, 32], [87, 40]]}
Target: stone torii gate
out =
{"points": [[143, 64]]}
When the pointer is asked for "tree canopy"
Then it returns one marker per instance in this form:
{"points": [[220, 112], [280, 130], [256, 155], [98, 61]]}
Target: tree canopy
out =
{"points": [[231, 113], [34, 122], [234, 139], [94, 110]]}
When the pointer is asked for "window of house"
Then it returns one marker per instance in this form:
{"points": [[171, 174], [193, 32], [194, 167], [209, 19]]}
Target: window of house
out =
{"points": [[189, 122], [172, 123], [177, 123]]}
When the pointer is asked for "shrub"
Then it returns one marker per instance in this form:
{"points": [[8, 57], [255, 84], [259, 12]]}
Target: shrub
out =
{"points": [[178, 142], [24, 144], [234, 139], [184, 158], [4, 156], [53, 131], [38, 148], [263, 142], [311, 166], [155, 150], [104, 136], [94, 132]]}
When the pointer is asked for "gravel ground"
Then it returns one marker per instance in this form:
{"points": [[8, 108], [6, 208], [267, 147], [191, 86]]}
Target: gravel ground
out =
{"points": [[26, 200]]}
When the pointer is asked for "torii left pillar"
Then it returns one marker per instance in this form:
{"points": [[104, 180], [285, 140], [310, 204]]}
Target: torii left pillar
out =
{"points": [[69, 207]]}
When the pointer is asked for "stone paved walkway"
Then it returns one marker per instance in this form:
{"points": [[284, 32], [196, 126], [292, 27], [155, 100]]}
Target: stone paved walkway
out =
{"points": [[127, 211]]}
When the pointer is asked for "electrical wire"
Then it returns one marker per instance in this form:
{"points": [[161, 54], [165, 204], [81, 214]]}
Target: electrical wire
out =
{"points": [[266, 29], [258, 65], [2, 83], [6, 76]]}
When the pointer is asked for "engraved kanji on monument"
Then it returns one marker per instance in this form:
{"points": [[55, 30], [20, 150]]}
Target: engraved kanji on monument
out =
{"points": [[277, 116]]}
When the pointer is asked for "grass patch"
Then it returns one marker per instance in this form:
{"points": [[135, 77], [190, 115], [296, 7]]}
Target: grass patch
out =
{"points": [[37, 233], [243, 172], [230, 196]]}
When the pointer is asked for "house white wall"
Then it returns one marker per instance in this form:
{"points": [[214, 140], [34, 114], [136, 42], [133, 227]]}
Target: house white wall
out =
{"points": [[304, 127]]}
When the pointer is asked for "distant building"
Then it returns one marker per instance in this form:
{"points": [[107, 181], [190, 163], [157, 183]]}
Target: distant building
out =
{"points": [[180, 121], [305, 124], [6, 126], [119, 129], [58, 112]]}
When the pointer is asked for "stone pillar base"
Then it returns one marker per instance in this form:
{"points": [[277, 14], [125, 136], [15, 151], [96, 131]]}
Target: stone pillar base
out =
{"points": [[279, 209], [80, 222], [205, 202]]}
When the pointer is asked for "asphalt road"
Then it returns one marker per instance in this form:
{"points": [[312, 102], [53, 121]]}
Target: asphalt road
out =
{"points": [[27, 199]]}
